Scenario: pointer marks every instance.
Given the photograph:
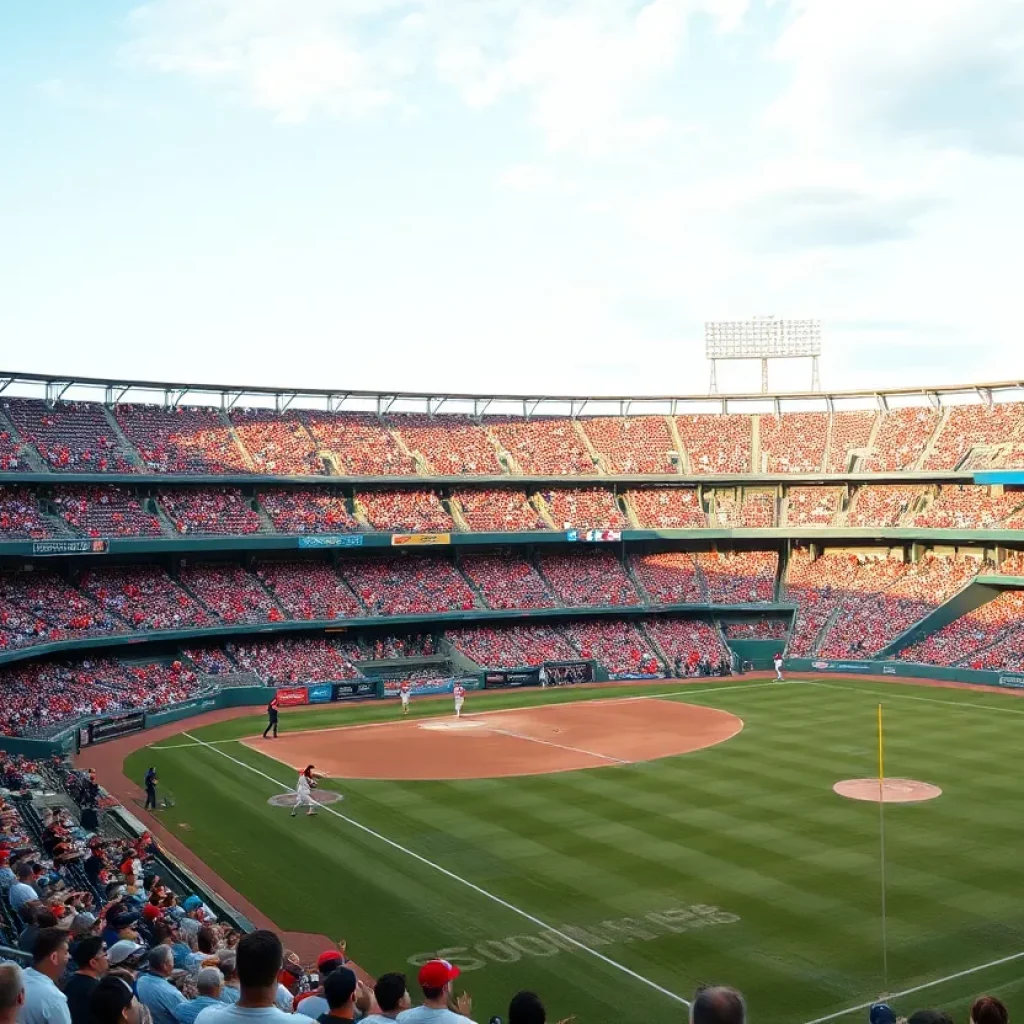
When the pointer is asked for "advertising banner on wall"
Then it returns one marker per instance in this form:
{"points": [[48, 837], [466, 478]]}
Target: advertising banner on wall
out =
{"points": [[109, 728], [320, 693], [360, 690], [332, 540], [292, 696], [399, 540], [70, 547], [509, 678]]}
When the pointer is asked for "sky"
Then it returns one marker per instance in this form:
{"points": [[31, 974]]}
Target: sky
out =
{"points": [[539, 196]]}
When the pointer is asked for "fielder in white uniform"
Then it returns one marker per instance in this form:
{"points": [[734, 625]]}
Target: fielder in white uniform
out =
{"points": [[460, 698], [405, 692], [777, 661], [304, 791]]}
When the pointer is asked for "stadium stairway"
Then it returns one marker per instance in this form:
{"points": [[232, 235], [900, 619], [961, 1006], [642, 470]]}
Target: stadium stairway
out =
{"points": [[454, 509], [683, 462], [543, 510], [599, 460], [666, 662], [225, 420], [25, 450], [936, 434], [127, 448]]}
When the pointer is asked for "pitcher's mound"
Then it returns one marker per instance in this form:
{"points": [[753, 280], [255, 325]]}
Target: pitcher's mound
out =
{"points": [[893, 791]]}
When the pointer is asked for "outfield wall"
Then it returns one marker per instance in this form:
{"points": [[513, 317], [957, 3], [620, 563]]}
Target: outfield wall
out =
{"points": [[908, 670]]}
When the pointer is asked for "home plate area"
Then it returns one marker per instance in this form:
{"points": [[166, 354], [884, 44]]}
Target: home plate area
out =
{"points": [[533, 741]]}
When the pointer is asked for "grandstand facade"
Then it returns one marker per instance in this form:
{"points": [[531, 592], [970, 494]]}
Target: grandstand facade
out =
{"points": [[159, 540]]}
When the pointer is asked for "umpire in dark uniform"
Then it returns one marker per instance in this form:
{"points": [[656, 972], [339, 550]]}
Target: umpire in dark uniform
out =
{"points": [[151, 781], [271, 718]]}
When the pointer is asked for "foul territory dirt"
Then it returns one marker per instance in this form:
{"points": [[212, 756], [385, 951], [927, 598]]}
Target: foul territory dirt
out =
{"points": [[533, 741]]}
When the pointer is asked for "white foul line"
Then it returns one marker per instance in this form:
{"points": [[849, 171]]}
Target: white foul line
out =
{"points": [[918, 988], [458, 878], [963, 705]]}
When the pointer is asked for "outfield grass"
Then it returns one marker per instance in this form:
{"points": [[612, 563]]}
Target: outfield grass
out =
{"points": [[617, 857]]}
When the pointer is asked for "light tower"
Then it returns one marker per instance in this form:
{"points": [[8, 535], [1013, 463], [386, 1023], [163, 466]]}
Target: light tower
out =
{"points": [[763, 338]]}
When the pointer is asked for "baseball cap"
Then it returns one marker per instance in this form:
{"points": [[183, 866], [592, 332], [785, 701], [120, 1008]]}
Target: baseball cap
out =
{"points": [[192, 903], [881, 1013], [124, 920], [151, 912], [329, 959], [124, 951], [437, 974], [83, 924]]}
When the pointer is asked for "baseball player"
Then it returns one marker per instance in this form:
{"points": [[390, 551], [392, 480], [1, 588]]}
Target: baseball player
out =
{"points": [[777, 662], [304, 790], [460, 698], [405, 692]]}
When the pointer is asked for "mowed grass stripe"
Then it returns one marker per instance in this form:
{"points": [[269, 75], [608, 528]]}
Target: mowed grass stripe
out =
{"points": [[750, 826]]}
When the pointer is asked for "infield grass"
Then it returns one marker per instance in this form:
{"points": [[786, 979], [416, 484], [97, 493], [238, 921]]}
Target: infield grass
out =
{"points": [[733, 865]]}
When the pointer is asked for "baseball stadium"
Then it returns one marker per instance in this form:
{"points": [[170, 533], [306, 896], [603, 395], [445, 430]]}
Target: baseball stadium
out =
{"points": [[741, 676]]}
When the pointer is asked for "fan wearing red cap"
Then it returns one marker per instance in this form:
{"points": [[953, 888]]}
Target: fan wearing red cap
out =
{"points": [[440, 1005], [313, 1003]]}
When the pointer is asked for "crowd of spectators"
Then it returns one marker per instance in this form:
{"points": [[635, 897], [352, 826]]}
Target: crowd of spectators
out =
{"points": [[20, 516], [408, 511], [851, 433], [451, 445], [283, 660], [739, 577], [588, 577], [717, 443], [507, 580], [233, 595], [756, 629], [498, 510], [902, 438], [70, 437], [967, 426], [693, 647], [399, 585], [618, 645], [883, 504], [968, 507], [210, 510], [57, 610], [211, 661], [544, 445], [512, 646], [819, 587], [181, 441], [668, 508], [308, 510], [105, 511], [813, 506], [145, 597], [308, 589], [878, 618], [585, 508], [632, 444], [11, 459], [361, 444], [794, 442], [39, 694], [963, 641], [389, 648], [669, 577], [277, 444]]}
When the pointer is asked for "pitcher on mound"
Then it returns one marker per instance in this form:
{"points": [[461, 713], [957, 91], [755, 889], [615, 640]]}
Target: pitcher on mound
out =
{"points": [[304, 790]]}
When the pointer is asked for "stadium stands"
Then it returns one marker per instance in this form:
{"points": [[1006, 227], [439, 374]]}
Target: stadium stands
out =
{"points": [[145, 597], [70, 436], [968, 507], [210, 510], [230, 592], [883, 504], [589, 577], [20, 516], [668, 508], [543, 446], [360, 444], [670, 577], [585, 508], [794, 442], [902, 439], [967, 427], [183, 441], [687, 643], [813, 506], [105, 512], [739, 577], [309, 510], [507, 580], [851, 435], [308, 590], [498, 510], [632, 444], [450, 445], [395, 585], [717, 443], [309, 659], [278, 445], [619, 646], [417, 511]]}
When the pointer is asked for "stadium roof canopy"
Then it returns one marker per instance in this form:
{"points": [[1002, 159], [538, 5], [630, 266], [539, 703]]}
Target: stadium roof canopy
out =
{"points": [[54, 388]]}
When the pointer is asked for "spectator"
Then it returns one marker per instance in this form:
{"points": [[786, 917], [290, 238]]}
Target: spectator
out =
{"points": [[114, 1002], [989, 1010], [12, 993], [209, 984], [341, 990], [23, 891], [36, 917], [228, 965], [260, 957], [526, 1008], [314, 1004], [435, 978], [90, 959], [44, 1002], [155, 990], [392, 999], [881, 1013], [126, 955], [718, 1006]]}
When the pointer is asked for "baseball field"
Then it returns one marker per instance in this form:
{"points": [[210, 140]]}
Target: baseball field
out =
{"points": [[614, 884]]}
